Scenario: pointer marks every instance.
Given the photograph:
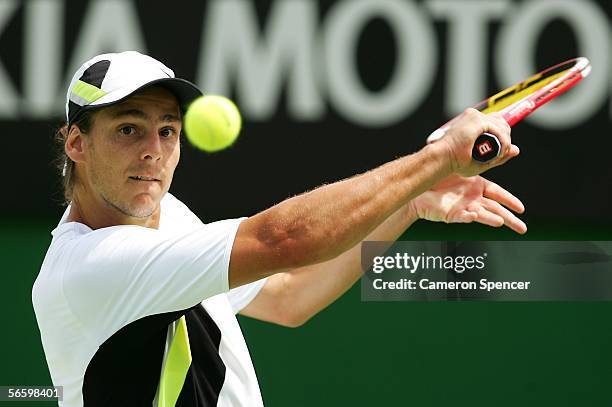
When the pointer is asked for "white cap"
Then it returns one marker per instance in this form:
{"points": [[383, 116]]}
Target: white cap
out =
{"points": [[109, 78]]}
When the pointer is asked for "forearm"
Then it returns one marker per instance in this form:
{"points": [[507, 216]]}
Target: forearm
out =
{"points": [[322, 224], [293, 297]]}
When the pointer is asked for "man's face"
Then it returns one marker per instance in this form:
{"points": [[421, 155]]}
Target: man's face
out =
{"points": [[132, 151]]}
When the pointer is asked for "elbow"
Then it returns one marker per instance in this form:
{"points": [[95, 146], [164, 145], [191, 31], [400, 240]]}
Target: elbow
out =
{"points": [[293, 319], [292, 246], [291, 309], [300, 253]]}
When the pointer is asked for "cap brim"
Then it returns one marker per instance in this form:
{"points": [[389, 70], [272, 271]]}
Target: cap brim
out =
{"points": [[184, 91]]}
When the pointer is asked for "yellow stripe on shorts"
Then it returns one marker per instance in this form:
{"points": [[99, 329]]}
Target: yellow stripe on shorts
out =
{"points": [[176, 367]]}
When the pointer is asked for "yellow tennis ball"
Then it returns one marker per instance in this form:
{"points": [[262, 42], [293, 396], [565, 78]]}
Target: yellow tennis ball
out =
{"points": [[212, 123]]}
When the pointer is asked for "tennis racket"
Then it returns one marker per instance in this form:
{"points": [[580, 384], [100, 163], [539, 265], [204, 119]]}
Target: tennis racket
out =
{"points": [[518, 101]]}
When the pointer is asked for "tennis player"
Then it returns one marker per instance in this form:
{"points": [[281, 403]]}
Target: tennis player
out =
{"points": [[136, 298]]}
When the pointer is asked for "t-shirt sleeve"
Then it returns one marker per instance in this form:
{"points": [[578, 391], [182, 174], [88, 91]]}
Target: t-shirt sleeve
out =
{"points": [[240, 297], [119, 274]]}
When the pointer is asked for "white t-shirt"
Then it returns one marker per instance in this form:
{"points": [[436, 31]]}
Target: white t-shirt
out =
{"points": [[108, 303]]}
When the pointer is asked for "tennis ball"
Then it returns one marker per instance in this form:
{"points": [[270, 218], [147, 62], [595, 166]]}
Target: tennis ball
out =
{"points": [[212, 123]]}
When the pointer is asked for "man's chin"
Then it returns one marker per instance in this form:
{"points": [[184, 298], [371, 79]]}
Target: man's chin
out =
{"points": [[141, 213], [140, 207], [143, 206]]}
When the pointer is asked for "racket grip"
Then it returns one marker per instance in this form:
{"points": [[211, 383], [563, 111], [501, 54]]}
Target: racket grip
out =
{"points": [[486, 148]]}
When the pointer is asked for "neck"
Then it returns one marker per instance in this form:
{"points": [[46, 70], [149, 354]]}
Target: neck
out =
{"points": [[96, 213]]}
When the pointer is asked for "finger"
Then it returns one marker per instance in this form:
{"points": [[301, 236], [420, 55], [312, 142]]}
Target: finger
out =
{"points": [[501, 122], [464, 216], [512, 152], [489, 218], [505, 145], [497, 126], [501, 195], [509, 219], [503, 159]]}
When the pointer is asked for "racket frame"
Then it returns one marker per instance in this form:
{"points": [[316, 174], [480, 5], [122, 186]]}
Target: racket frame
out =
{"points": [[577, 69]]}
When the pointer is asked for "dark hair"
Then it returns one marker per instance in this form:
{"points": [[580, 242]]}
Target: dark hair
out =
{"points": [[63, 163]]}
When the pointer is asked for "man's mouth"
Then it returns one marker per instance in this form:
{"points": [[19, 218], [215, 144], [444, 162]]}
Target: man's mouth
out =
{"points": [[143, 178]]}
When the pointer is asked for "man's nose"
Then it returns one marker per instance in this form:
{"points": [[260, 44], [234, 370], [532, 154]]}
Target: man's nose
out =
{"points": [[152, 149]]}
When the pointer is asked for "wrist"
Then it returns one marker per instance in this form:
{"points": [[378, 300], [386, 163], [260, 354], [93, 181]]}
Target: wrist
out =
{"points": [[412, 210], [441, 153]]}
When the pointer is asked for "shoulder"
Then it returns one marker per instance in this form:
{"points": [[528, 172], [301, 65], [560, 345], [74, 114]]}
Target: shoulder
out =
{"points": [[175, 214]]}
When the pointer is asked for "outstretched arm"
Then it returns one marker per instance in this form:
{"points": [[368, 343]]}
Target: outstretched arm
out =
{"points": [[320, 225], [291, 298]]}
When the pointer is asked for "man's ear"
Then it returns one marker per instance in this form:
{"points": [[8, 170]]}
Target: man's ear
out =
{"points": [[75, 144]]}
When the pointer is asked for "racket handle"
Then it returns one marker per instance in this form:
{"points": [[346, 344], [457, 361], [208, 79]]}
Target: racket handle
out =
{"points": [[486, 148]]}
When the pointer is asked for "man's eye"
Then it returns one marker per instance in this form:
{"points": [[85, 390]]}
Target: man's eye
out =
{"points": [[167, 132], [127, 130]]}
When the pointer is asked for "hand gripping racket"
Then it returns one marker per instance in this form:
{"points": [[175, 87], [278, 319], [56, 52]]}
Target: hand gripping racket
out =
{"points": [[518, 101]]}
